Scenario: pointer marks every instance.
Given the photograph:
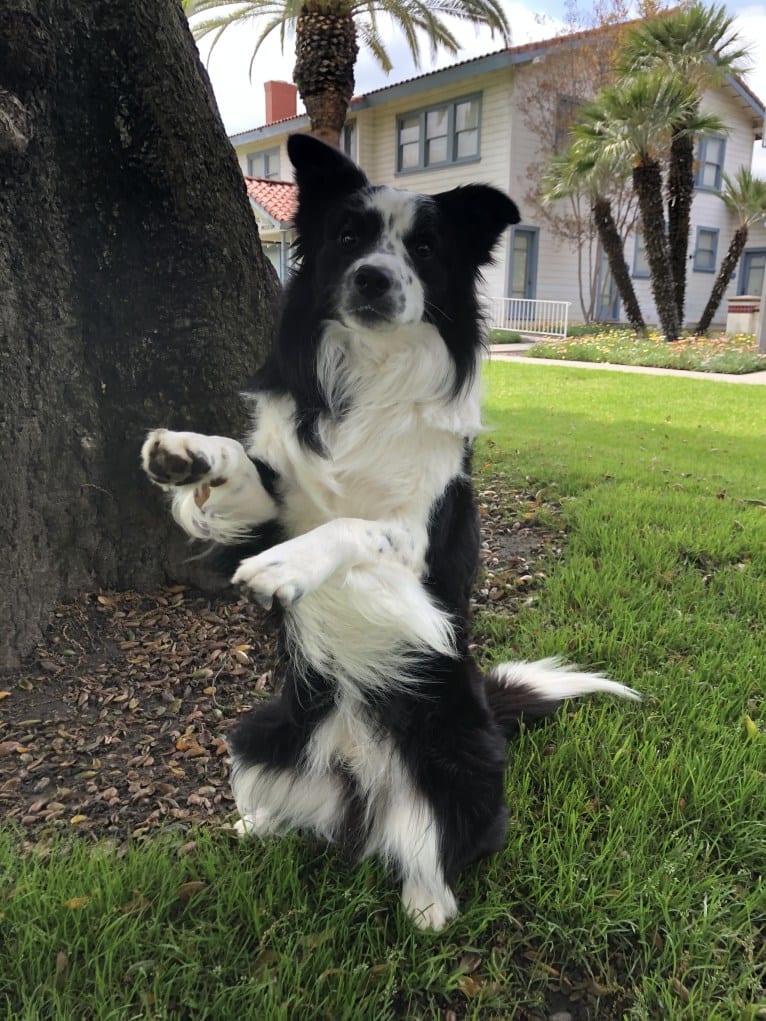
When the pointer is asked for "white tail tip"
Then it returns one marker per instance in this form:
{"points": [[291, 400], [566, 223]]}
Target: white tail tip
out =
{"points": [[553, 680]]}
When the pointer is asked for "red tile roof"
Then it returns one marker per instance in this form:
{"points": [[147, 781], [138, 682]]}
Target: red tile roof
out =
{"points": [[278, 199]]}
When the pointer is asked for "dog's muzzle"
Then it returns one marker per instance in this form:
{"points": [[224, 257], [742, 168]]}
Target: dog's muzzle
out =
{"points": [[373, 297]]}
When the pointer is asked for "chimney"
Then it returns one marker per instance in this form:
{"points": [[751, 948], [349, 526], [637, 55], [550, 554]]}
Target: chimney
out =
{"points": [[281, 101]]}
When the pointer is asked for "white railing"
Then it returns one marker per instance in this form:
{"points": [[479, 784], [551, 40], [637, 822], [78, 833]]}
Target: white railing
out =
{"points": [[528, 315]]}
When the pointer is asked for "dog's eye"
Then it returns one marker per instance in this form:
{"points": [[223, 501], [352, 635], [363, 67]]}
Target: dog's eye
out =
{"points": [[347, 238], [423, 249]]}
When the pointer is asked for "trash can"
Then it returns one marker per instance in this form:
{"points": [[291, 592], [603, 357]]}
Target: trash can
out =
{"points": [[742, 313]]}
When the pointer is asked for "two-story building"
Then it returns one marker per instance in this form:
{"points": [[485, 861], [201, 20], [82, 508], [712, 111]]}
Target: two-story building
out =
{"points": [[471, 122]]}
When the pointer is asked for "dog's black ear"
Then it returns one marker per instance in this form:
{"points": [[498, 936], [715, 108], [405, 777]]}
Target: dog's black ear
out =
{"points": [[479, 214], [322, 170]]}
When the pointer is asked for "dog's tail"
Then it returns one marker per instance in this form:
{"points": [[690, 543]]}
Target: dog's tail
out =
{"points": [[531, 691]]}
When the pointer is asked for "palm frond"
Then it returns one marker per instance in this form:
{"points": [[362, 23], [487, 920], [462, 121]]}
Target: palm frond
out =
{"points": [[699, 42]]}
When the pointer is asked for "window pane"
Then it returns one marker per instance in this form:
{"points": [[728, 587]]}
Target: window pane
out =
{"points": [[436, 151], [520, 264], [436, 123], [271, 160], [710, 175], [466, 116], [704, 256], [408, 155], [753, 282], [409, 129], [467, 144]]}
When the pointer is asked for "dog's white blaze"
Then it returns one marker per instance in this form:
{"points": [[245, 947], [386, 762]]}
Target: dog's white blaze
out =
{"points": [[554, 680]]}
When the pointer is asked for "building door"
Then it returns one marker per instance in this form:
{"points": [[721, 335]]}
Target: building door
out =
{"points": [[608, 299], [751, 275], [523, 268]]}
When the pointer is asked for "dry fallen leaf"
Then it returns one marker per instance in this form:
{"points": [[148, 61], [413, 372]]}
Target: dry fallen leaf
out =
{"points": [[74, 903], [188, 890]]}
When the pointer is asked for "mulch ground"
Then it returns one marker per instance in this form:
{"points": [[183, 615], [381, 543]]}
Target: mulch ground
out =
{"points": [[117, 723]]}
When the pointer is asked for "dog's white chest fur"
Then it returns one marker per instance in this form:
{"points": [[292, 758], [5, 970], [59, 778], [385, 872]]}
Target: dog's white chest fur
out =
{"points": [[392, 442]]}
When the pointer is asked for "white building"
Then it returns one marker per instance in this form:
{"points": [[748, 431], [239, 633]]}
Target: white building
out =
{"points": [[470, 122]]}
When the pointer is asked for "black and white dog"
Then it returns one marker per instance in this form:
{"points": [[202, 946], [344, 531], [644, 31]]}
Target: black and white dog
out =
{"points": [[351, 504]]}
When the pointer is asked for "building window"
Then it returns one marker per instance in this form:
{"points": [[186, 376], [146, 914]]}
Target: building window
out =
{"points": [[640, 262], [705, 249], [264, 164], [566, 112], [348, 140], [751, 274], [710, 162], [438, 135]]}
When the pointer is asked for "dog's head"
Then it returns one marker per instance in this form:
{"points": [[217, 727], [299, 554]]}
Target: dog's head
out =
{"points": [[381, 259]]}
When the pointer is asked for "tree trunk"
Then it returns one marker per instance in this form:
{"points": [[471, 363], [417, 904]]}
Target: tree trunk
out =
{"points": [[612, 244], [680, 195], [647, 181], [325, 54], [728, 266], [135, 293]]}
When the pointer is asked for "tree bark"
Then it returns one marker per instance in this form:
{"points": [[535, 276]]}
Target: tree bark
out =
{"points": [[325, 56], [647, 181], [135, 293], [680, 195], [612, 244], [728, 265]]}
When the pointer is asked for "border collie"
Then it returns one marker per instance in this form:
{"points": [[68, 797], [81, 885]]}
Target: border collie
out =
{"points": [[350, 504]]}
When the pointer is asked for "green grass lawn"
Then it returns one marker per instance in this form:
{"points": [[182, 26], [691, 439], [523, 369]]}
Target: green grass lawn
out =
{"points": [[634, 867], [736, 354]]}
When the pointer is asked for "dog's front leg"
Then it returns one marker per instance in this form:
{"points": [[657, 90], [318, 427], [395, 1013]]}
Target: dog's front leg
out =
{"points": [[300, 565], [217, 491]]}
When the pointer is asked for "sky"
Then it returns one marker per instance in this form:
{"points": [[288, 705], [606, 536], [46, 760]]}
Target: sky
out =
{"points": [[241, 100]]}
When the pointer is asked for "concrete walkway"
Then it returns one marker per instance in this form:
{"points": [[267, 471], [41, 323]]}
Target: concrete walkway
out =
{"points": [[517, 353]]}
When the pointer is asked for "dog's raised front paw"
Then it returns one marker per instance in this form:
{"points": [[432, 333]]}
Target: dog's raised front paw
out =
{"points": [[176, 458], [267, 577], [290, 570]]}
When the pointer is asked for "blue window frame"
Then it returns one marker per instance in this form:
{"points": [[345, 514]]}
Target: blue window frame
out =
{"points": [[640, 262], [438, 136], [751, 272], [710, 157], [705, 250], [522, 264]]}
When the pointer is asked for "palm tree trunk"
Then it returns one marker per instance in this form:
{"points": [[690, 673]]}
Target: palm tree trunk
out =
{"points": [[647, 181], [612, 244], [680, 195], [728, 266], [325, 54]]}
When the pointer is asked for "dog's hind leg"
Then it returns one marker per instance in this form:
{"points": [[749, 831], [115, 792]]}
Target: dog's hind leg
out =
{"points": [[217, 491], [275, 785]]}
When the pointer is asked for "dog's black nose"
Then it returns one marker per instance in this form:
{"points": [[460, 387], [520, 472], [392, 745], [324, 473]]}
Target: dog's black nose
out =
{"points": [[372, 282]]}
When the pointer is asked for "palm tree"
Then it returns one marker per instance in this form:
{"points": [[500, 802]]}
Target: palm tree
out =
{"points": [[745, 196], [701, 46], [582, 168], [327, 37], [634, 120]]}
